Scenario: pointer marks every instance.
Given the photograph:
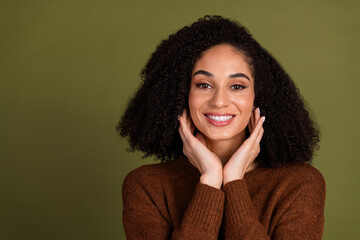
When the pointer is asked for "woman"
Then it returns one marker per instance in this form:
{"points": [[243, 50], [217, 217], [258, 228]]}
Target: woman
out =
{"points": [[201, 110]]}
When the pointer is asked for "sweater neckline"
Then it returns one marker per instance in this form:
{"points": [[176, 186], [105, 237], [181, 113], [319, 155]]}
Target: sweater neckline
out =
{"points": [[255, 173]]}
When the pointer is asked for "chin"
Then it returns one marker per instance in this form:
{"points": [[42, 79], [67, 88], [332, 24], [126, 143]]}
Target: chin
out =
{"points": [[220, 136]]}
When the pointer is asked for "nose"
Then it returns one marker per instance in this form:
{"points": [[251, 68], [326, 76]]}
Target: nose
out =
{"points": [[220, 99]]}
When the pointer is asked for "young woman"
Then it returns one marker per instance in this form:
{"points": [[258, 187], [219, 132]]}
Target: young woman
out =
{"points": [[234, 139]]}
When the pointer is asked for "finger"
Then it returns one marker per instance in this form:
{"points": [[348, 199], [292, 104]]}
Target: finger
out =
{"points": [[191, 124], [181, 132], [259, 137], [184, 113], [188, 121], [259, 123], [201, 138], [259, 126], [251, 125], [192, 129], [187, 127], [183, 129], [257, 116], [256, 131], [254, 118], [180, 117]]}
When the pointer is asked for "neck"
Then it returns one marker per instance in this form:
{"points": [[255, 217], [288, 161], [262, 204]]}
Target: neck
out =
{"points": [[224, 149]]}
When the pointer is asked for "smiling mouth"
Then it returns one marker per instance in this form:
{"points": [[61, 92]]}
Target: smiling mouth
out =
{"points": [[222, 118]]}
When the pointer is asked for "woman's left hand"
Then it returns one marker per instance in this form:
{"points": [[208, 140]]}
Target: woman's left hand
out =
{"points": [[243, 158]]}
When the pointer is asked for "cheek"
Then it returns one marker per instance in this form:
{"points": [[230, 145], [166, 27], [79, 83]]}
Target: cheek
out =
{"points": [[195, 101], [245, 104]]}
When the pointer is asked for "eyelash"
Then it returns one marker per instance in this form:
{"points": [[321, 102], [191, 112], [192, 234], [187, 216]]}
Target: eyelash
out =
{"points": [[237, 85], [203, 85], [234, 87]]}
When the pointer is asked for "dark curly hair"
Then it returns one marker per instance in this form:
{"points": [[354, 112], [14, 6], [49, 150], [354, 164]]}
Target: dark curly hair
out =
{"points": [[150, 120]]}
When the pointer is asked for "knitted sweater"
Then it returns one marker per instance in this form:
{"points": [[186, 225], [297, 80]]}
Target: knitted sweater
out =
{"points": [[166, 201]]}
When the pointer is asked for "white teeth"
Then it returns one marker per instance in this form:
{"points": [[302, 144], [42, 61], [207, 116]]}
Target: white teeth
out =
{"points": [[220, 118]]}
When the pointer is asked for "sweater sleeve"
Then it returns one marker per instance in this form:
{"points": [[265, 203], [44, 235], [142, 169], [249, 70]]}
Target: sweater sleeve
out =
{"points": [[303, 217], [203, 216], [144, 218], [240, 219]]}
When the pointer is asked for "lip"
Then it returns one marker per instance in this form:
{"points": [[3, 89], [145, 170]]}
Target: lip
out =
{"points": [[219, 124]]}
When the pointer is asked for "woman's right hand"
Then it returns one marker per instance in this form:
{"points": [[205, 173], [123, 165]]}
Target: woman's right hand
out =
{"points": [[194, 148]]}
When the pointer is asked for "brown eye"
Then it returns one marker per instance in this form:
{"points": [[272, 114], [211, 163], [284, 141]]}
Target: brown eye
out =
{"points": [[237, 87], [203, 85]]}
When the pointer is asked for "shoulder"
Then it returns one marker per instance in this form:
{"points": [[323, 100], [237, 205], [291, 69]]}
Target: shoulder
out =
{"points": [[147, 174], [296, 186], [301, 176], [143, 184], [303, 172], [160, 174]]}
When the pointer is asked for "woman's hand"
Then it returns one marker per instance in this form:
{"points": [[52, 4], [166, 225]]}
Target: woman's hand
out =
{"points": [[194, 148], [243, 158]]}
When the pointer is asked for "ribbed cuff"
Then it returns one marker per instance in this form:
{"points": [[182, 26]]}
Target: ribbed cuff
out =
{"points": [[238, 204], [206, 207]]}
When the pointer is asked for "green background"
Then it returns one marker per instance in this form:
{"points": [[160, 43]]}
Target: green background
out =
{"points": [[67, 69]]}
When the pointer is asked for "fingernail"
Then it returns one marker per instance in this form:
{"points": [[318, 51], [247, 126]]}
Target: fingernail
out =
{"points": [[264, 119], [258, 109]]}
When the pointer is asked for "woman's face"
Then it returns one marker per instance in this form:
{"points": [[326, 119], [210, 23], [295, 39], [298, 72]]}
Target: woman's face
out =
{"points": [[221, 94]]}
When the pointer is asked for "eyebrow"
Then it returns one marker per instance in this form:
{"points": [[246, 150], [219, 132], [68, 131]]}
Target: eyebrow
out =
{"points": [[206, 73], [235, 75]]}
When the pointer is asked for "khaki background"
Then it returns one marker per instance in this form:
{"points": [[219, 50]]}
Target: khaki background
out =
{"points": [[67, 69]]}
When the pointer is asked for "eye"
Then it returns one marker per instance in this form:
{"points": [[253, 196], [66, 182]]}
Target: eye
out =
{"points": [[237, 87], [203, 85]]}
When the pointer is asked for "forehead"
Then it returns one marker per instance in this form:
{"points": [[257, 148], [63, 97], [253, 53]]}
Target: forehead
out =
{"points": [[223, 57]]}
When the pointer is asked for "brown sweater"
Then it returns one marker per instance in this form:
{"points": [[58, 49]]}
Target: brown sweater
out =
{"points": [[166, 201]]}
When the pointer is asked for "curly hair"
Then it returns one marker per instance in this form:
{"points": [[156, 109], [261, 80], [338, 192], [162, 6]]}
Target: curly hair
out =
{"points": [[150, 120]]}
